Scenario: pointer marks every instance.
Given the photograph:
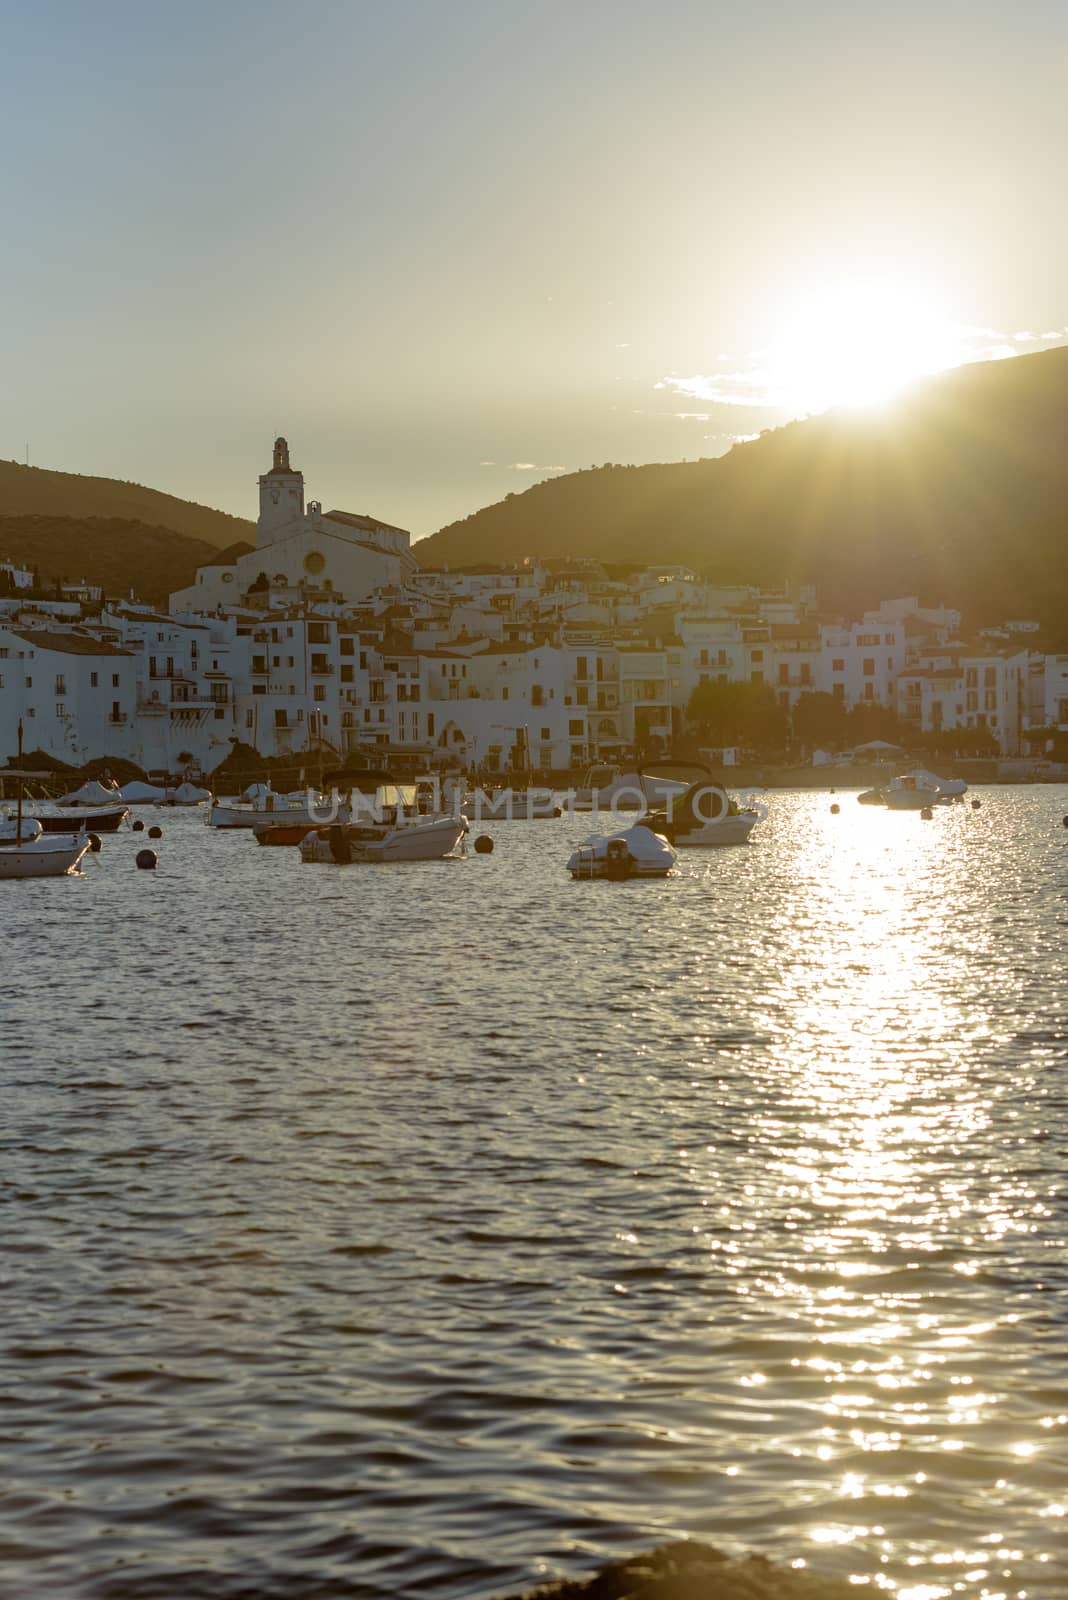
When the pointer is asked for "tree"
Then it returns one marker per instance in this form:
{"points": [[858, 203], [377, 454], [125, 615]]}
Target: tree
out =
{"points": [[869, 720], [739, 714], [819, 719]]}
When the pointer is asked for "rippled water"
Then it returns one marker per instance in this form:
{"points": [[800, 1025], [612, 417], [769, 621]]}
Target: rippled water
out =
{"points": [[432, 1230]]}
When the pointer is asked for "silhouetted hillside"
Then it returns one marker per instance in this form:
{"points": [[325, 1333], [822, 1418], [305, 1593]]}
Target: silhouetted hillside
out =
{"points": [[33, 491], [958, 491], [117, 554]]}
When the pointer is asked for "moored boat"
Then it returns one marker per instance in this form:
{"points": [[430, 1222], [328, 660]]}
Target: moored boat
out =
{"points": [[635, 852], [76, 819], [694, 812], [32, 853]]}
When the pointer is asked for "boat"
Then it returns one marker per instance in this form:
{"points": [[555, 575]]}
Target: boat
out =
{"points": [[690, 809], [422, 839], [635, 852], [911, 791], [32, 853], [282, 833], [385, 822], [607, 788], [77, 820], [511, 805], [259, 805]]}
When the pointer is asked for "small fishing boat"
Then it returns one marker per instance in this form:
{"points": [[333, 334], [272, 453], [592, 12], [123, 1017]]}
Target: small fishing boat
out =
{"points": [[76, 819], [636, 852], [32, 853]]}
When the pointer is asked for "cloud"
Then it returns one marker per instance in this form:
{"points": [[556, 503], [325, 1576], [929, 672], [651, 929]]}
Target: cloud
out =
{"points": [[753, 388], [487, 463], [531, 466]]}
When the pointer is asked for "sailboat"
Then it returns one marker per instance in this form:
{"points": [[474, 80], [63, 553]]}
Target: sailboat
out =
{"points": [[30, 853]]}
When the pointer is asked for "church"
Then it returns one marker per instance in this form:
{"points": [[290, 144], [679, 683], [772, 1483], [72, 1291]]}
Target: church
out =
{"points": [[300, 549]]}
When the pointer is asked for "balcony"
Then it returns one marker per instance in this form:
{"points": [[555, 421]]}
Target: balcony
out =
{"points": [[320, 667], [118, 719]]}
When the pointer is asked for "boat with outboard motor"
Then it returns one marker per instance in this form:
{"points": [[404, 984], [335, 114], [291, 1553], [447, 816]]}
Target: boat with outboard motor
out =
{"points": [[635, 852], [386, 820], [689, 808], [260, 805]]}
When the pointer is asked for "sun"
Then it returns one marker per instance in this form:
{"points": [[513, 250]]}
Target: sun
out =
{"points": [[856, 342]]}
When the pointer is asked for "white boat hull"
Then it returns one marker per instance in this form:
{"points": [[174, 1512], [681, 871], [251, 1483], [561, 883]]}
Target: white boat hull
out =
{"points": [[50, 856], [724, 831], [245, 816], [416, 841]]}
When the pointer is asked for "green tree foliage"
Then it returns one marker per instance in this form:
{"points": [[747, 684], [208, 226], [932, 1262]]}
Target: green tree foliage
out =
{"points": [[745, 715], [819, 719]]}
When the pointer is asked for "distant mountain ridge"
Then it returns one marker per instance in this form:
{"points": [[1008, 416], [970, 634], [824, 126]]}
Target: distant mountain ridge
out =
{"points": [[115, 553], [957, 492], [37, 491]]}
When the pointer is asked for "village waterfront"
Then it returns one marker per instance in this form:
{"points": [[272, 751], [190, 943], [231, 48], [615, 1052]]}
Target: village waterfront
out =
{"points": [[440, 1229]]}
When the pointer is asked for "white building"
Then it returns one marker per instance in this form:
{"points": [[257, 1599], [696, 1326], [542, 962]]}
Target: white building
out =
{"points": [[337, 554], [76, 695]]}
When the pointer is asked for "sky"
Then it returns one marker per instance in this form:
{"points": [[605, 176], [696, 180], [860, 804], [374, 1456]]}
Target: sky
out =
{"points": [[448, 249]]}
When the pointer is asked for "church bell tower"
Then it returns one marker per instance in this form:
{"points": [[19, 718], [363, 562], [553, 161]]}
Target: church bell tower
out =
{"points": [[281, 497]]}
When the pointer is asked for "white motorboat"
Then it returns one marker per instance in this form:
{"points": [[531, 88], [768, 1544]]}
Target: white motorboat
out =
{"points": [[694, 811], [386, 825], [636, 852], [511, 805], [608, 788], [905, 793], [259, 804], [419, 839]]}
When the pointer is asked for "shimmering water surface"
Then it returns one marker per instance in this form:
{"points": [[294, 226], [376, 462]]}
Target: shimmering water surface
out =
{"points": [[433, 1230]]}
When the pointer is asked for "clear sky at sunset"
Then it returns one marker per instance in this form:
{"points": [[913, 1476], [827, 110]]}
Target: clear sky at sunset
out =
{"points": [[447, 248]]}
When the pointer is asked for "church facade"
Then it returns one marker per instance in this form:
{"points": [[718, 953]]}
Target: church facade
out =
{"points": [[302, 550]]}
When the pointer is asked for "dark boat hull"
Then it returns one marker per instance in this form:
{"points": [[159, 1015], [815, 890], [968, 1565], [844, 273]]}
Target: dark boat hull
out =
{"points": [[75, 819]]}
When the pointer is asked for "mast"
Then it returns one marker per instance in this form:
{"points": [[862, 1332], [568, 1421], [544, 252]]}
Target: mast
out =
{"points": [[18, 813]]}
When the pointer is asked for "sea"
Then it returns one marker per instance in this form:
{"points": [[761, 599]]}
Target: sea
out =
{"points": [[431, 1231]]}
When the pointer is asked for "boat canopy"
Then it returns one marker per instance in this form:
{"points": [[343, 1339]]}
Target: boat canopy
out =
{"points": [[92, 794]]}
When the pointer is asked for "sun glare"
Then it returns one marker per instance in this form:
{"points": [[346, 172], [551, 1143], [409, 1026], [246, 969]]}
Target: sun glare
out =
{"points": [[857, 342]]}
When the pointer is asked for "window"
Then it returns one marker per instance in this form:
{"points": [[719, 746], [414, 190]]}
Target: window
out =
{"points": [[574, 727], [784, 672], [756, 655], [839, 691], [504, 692], [990, 699], [61, 686], [346, 645], [430, 725], [319, 692], [545, 733], [838, 665], [347, 673], [580, 667], [94, 680], [250, 719], [281, 718], [756, 677], [869, 691], [582, 695], [61, 710], [869, 667], [114, 680], [29, 683]]}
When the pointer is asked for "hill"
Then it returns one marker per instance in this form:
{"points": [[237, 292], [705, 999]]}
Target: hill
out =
{"points": [[957, 492], [116, 553], [33, 491]]}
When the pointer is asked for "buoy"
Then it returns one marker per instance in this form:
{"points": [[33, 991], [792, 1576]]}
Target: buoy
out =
{"points": [[1064, 822], [484, 845], [94, 842], [146, 859], [926, 813], [155, 833], [138, 826], [977, 803], [835, 809]]}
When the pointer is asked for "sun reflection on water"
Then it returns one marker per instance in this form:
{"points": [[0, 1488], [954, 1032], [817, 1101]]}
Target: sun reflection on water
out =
{"points": [[874, 1008]]}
